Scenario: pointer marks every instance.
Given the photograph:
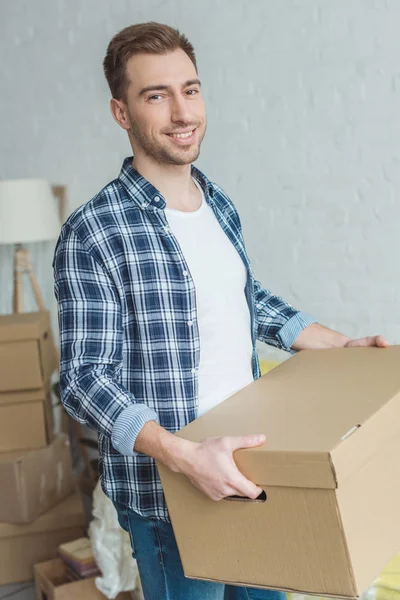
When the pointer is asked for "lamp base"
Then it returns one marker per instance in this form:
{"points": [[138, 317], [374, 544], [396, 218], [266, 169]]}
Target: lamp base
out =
{"points": [[23, 264]]}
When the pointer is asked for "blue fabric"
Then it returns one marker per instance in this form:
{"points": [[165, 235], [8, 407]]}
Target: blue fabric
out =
{"points": [[125, 297], [160, 568]]}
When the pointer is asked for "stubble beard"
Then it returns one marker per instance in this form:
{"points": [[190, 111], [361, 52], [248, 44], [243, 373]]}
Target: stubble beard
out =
{"points": [[163, 154]]}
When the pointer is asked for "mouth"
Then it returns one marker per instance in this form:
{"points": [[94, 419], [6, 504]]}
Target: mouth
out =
{"points": [[183, 137]]}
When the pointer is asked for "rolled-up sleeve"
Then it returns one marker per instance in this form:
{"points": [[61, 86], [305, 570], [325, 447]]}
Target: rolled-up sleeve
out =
{"points": [[91, 346], [278, 323]]}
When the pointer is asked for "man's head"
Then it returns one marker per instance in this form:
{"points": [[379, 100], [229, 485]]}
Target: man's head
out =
{"points": [[152, 74]]}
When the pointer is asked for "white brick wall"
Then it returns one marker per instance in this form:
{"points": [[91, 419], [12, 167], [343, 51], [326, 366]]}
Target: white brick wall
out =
{"points": [[303, 102]]}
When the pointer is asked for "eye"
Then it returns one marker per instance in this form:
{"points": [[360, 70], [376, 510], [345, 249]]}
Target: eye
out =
{"points": [[154, 97], [192, 92]]}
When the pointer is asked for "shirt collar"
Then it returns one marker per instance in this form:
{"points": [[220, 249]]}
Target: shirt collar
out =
{"points": [[145, 194]]}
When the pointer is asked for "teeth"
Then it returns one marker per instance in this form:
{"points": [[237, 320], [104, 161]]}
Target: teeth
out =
{"points": [[182, 135]]}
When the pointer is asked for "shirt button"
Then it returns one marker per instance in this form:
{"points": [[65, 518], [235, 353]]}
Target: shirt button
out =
{"points": [[167, 229], [157, 199], [185, 273], [190, 323], [144, 204], [193, 371]]}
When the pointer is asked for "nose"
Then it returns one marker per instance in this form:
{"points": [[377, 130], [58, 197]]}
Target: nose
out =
{"points": [[179, 109]]}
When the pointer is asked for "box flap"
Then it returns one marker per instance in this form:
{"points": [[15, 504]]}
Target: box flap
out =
{"points": [[35, 480], [375, 412], [293, 469], [39, 395], [24, 326], [13, 500], [308, 407], [30, 457], [68, 513]]}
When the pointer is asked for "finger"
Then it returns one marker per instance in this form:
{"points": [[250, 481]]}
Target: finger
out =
{"points": [[243, 486], [245, 441], [366, 341], [375, 340], [381, 342], [247, 489]]}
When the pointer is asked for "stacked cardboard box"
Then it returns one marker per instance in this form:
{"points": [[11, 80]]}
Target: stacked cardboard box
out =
{"points": [[22, 546], [27, 361], [52, 582], [38, 506]]}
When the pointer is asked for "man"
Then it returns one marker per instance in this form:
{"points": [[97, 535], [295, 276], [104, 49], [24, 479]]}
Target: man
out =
{"points": [[159, 310]]}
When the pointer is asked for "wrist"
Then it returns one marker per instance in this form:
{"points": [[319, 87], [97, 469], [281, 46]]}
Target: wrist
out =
{"points": [[340, 340], [178, 454], [318, 337]]}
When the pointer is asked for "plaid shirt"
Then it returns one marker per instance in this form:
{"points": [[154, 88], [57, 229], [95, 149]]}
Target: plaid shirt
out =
{"points": [[125, 297]]}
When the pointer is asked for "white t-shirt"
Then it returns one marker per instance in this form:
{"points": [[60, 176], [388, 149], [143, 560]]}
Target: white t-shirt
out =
{"points": [[223, 314]]}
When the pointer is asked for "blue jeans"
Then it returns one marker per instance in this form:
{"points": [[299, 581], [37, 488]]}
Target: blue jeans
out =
{"points": [[160, 568]]}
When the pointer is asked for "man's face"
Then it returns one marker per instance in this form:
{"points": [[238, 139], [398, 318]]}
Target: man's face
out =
{"points": [[164, 98]]}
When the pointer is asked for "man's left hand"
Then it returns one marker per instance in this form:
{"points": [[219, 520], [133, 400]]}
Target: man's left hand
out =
{"points": [[374, 340], [316, 336]]}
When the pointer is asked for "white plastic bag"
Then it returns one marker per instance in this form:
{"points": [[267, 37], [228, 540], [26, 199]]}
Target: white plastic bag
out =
{"points": [[111, 548]]}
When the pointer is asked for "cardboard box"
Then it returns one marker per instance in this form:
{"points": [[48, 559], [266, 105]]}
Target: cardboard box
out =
{"points": [[26, 420], [329, 469], [35, 481], [52, 583], [27, 353], [22, 546]]}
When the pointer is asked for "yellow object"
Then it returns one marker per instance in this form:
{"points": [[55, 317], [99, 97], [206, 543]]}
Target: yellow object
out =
{"points": [[385, 587], [267, 365]]}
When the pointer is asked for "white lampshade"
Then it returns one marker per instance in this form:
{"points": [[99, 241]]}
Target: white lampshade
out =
{"points": [[28, 211]]}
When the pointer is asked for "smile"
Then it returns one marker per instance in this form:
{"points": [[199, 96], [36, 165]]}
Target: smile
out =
{"points": [[182, 136]]}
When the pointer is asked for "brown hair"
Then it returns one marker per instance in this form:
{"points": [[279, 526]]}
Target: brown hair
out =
{"points": [[149, 38]]}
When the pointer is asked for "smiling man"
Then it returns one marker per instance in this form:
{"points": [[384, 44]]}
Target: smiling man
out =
{"points": [[159, 310]]}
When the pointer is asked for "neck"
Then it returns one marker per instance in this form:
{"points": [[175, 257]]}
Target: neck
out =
{"points": [[174, 182]]}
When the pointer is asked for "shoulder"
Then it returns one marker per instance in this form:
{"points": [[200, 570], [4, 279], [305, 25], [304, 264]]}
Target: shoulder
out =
{"points": [[100, 209], [93, 224]]}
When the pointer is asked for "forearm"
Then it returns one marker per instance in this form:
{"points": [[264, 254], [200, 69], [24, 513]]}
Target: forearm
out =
{"points": [[92, 395], [316, 336], [157, 442]]}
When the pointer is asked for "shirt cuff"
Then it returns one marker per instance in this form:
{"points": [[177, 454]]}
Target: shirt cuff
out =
{"points": [[291, 330], [128, 426]]}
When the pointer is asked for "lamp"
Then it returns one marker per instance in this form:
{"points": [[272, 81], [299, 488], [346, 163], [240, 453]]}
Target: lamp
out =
{"points": [[28, 213]]}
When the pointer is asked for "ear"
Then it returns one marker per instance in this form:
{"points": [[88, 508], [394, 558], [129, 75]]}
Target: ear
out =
{"points": [[119, 111]]}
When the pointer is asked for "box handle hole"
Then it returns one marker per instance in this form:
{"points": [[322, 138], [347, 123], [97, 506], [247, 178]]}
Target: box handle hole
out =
{"points": [[260, 499]]}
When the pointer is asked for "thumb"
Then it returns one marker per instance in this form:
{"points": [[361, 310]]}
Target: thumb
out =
{"points": [[247, 441]]}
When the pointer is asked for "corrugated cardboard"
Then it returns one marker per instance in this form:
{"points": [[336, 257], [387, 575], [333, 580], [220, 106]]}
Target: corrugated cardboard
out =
{"points": [[22, 546], [329, 468], [52, 583], [27, 356], [26, 420], [35, 481]]}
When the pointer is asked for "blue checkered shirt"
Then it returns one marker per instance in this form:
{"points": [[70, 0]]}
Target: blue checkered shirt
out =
{"points": [[124, 302]]}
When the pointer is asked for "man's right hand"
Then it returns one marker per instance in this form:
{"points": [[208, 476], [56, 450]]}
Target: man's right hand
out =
{"points": [[209, 465]]}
